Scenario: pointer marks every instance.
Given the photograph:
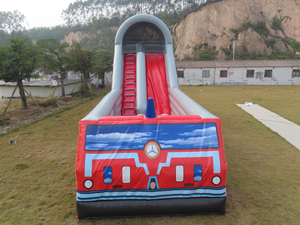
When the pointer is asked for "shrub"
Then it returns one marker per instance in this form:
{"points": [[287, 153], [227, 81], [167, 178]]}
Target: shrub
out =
{"points": [[204, 52], [4, 122], [271, 42], [276, 23], [261, 28], [293, 43]]}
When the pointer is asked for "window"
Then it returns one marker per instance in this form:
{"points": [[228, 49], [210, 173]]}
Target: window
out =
{"points": [[179, 173], [250, 73], [180, 73], [197, 173], [107, 175], [296, 73], [268, 73], [223, 73], [126, 174], [205, 73]]}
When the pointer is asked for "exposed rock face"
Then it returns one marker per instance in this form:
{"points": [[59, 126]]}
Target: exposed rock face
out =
{"points": [[76, 36], [213, 23]]}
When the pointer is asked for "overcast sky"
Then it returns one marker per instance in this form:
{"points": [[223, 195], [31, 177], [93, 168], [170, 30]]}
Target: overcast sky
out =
{"points": [[39, 13]]}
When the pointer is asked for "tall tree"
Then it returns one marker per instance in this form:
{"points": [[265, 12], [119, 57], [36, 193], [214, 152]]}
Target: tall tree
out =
{"points": [[55, 58], [81, 60], [103, 62], [10, 21], [84, 11], [18, 61]]}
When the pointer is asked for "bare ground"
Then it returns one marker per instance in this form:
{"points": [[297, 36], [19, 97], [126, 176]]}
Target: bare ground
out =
{"points": [[19, 116]]}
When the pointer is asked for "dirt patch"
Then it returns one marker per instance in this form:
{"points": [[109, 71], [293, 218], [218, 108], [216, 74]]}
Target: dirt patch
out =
{"points": [[18, 117]]}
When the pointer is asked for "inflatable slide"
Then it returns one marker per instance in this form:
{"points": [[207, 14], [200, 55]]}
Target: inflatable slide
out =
{"points": [[147, 148]]}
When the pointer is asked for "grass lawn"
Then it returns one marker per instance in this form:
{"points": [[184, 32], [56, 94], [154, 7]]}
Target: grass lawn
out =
{"points": [[37, 174]]}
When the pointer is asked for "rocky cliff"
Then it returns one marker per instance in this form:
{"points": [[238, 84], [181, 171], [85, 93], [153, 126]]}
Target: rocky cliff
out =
{"points": [[76, 36], [213, 24]]}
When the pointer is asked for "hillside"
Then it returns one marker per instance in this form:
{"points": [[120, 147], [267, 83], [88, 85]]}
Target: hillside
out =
{"points": [[263, 29], [220, 23]]}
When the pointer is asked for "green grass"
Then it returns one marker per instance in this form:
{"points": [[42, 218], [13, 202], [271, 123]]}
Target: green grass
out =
{"points": [[37, 178]]}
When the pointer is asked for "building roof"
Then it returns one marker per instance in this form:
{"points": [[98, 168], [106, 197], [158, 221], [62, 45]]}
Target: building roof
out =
{"points": [[42, 83], [238, 63]]}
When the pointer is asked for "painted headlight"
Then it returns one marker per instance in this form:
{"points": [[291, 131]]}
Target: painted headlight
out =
{"points": [[216, 180], [88, 184]]}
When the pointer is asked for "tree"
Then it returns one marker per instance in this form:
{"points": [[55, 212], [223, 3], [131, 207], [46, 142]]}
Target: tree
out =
{"points": [[276, 23], [103, 62], [85, 11], [10, 21], [18, 61], [81, 60], [55, 58]]}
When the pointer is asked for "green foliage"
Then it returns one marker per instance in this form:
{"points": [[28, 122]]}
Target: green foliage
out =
{"points": [[102, 39], [227, 51], [270, 42], [204, 52], [246, 25], [84, 12], [4, 38], [258, 56], [4, 122], [18, 60], [10, 21], [55, 58], [276, 23], [103, 62], [236, 33], [293, 43], [80, 60], [261, 28], [58, 32]]}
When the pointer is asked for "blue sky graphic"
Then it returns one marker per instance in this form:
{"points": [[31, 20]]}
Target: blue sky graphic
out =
{"points": [[169, 136]]}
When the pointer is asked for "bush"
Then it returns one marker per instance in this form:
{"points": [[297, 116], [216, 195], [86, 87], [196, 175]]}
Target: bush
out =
{"points": [[271, 42], [204, 52], [293, 43], [4, 122], [276, 23], [261, 28], [51, 101]]}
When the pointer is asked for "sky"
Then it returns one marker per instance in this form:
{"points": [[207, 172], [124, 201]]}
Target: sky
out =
{"points": [[169, 136], [39, 13]]}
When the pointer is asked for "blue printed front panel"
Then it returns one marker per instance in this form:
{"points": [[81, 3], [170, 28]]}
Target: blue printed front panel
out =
{"points": [[134, 136]]}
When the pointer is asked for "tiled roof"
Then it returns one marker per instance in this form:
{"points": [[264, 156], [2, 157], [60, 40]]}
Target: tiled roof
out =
{"points": [[238, 63]]}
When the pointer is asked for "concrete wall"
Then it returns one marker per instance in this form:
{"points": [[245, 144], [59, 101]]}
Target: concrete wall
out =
{"points": [[237, 76], [6, 91]]}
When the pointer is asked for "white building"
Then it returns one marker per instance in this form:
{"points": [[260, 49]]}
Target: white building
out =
{"points": [[239, 72]]}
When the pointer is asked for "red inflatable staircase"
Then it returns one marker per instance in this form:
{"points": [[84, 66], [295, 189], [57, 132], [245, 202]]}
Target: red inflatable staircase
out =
{"points": [[129, 85]]}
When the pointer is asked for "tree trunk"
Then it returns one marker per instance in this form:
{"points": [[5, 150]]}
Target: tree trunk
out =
{"points": [[22, 93], [101, 76], [62, 86]]}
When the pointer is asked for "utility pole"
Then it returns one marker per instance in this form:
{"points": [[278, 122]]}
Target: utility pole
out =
{"points": [[233, 49]]}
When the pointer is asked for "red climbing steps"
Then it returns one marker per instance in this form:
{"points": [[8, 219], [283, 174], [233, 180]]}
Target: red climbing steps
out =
{"points": [[129, 85]]}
